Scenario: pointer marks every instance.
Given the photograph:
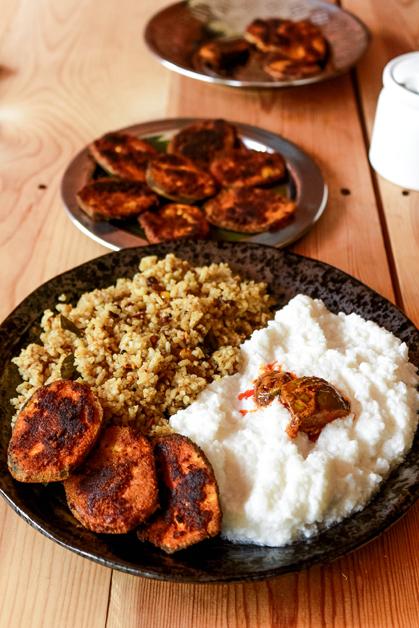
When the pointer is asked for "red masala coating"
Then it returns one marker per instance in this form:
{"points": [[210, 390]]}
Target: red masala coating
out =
{"points": [[179, 179], [203, 141], [174, 221], [190, 509], [109, 198], [54, 432], [243, 167], [116, 489], [123, 155]]}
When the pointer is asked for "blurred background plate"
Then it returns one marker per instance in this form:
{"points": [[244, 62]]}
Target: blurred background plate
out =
{"points": [[305, 185], [175, 33], [215, 560]]}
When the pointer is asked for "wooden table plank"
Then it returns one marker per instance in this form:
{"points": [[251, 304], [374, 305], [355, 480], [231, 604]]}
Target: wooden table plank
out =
{"points": [[43, 584], [394, 27]]}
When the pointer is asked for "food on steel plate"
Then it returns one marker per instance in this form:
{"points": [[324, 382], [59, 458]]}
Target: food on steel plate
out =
{"points": [[116, 489], [108, 198], [123, 155], [242, 167], [249, 210], [54, 432], [190, 510], [224, 54], [174, 221], [202, 141], [297, 40], [179, 179]]}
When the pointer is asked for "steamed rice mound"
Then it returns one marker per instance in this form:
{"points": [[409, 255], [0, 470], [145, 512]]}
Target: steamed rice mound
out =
{"points": [[150, 344]]}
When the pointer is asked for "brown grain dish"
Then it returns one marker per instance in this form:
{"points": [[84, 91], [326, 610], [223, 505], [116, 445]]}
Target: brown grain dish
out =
{"points": [[174, 221], [190, 505], [203, 141], [123, 155], [245, 168], [224, 54], [179, 179], [296, 40], [116, 489], [106, 199], [54, 432], [249, 210], [286, 69]]}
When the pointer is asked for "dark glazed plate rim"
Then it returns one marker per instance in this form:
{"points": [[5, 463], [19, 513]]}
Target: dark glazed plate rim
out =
{"points": [[305, 178], [215, 560]]}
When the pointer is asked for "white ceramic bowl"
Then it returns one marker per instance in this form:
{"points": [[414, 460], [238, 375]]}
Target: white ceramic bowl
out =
{"points": [[394, 151]]}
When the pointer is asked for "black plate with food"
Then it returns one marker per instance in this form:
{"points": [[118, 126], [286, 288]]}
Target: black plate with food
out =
{"points": [[259, 44], [167, 179], [214, 560]]}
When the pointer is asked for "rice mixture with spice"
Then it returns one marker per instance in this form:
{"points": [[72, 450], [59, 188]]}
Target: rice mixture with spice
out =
{"points": [[148, 345]]}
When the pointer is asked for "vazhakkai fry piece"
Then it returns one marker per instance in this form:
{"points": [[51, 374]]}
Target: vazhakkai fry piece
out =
{"points": [[245, 168], [224, 54], [54, 432], [189, 496], [174, 221], [297, 40], [116, 489], [179, 179], [286, 69], [203, 141], [123, 155], [313, 403], [249, 210], [107, 199]]}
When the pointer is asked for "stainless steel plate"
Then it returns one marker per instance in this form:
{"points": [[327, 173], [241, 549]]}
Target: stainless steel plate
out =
{"points": [[305, 185], [175, 33]]}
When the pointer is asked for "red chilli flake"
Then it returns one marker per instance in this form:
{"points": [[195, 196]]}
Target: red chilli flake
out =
{"points": [[246, 394], [243, 412]]}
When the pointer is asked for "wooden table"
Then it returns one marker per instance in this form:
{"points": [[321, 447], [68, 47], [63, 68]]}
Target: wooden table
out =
{"points": [[72, 70]]}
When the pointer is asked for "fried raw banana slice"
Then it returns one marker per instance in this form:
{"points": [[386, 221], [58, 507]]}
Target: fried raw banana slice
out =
{"points": [[116, 489], [107, 199], [244, 167], [174, 221], [54, 432], [249, 210], [224, 54], [203, 141], [286, 69], [123, 155], [189, 496], [298, 40], [179, 179]]}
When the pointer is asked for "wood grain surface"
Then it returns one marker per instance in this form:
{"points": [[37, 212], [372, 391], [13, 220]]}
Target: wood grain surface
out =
{"points": [[69, 71]]}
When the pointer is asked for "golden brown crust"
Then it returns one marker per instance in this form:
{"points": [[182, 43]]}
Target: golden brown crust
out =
{"points": [[174, 221], [243, 167], [178, 179], [190, 502], [286, 69], [297, 40], [224, 54], [108, 198], [54, 432], [249, 210], [116, 489], [203, 141], [123, 155]]}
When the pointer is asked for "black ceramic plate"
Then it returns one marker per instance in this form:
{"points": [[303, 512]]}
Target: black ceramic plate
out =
{"points": [[287, 274], [304, 184]]}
